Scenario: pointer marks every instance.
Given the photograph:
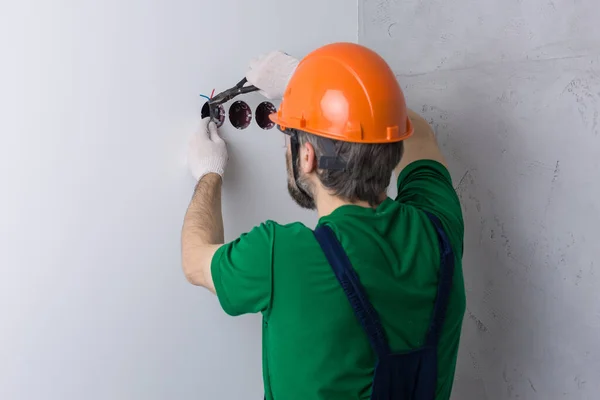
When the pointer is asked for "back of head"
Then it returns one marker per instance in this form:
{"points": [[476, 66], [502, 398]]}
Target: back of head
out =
{"points": [[368, 167]]}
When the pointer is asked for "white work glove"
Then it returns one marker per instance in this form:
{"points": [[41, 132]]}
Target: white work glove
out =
{"points": [[271, 73], [207, 152]]}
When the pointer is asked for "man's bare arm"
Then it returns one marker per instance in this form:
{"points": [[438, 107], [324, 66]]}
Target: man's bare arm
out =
{"points": [[202, 232], [422, 145]]}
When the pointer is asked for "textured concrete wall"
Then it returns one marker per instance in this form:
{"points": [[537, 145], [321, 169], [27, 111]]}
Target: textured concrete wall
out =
{"points": [[512, 88]]}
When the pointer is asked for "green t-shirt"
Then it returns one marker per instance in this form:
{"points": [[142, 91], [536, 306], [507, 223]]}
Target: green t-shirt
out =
{"points": [[313, 346]]}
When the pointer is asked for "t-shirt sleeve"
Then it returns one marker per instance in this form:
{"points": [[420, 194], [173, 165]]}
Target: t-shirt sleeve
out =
{"points": [[241, 271], [427, 185]]}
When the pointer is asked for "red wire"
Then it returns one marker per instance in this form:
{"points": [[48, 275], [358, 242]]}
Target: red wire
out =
{"points": [[212, 94]]}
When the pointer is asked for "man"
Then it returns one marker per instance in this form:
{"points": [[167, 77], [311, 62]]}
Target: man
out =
{"points": [[370, 304]]}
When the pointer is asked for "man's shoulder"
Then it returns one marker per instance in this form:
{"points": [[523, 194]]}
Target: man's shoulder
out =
{"points": [[427, 186], [292, 226], [242, 269], [285, 229], [272, 231], [290, 233]]}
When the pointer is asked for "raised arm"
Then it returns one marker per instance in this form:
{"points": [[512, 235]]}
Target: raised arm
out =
{"points": [[422, 145], [202, 232]]}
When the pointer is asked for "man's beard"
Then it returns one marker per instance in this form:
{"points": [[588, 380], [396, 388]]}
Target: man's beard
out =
{"points": [[301, 198]]}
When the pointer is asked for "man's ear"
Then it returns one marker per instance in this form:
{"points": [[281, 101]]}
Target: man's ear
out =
{"points": [[308, 158]]}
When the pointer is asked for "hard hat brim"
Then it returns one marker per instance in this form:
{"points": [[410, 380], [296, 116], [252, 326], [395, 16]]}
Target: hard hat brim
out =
{"points": [[283, 124]]}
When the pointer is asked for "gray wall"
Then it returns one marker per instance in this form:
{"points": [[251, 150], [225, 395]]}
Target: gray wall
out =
{"points": [[512, 89], [97, 102]]}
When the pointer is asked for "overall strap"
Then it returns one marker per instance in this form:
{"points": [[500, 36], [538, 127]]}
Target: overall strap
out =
{"points": [[348, 279], [444, 283]]}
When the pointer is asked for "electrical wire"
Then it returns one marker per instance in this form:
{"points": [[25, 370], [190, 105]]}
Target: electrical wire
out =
{"points": [[211, 110]]}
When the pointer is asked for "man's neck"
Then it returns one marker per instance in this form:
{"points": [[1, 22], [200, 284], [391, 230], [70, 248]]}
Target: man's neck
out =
{"points": [[326, 203]]}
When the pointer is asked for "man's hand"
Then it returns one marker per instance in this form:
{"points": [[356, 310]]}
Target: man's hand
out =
{"points": [[207, 152], [271, 73]]}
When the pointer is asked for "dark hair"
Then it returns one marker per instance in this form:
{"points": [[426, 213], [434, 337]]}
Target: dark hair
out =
{"points": [[368, 168]]}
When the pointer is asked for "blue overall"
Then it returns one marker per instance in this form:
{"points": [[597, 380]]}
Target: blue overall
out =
{"points": [[408, 375]]}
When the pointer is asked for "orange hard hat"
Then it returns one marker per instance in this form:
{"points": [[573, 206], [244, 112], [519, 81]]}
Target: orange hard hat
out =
{"points": [[347, 92]]}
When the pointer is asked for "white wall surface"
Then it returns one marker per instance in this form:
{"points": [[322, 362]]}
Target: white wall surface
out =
{"points": [[97, 102], [512, 88]]}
